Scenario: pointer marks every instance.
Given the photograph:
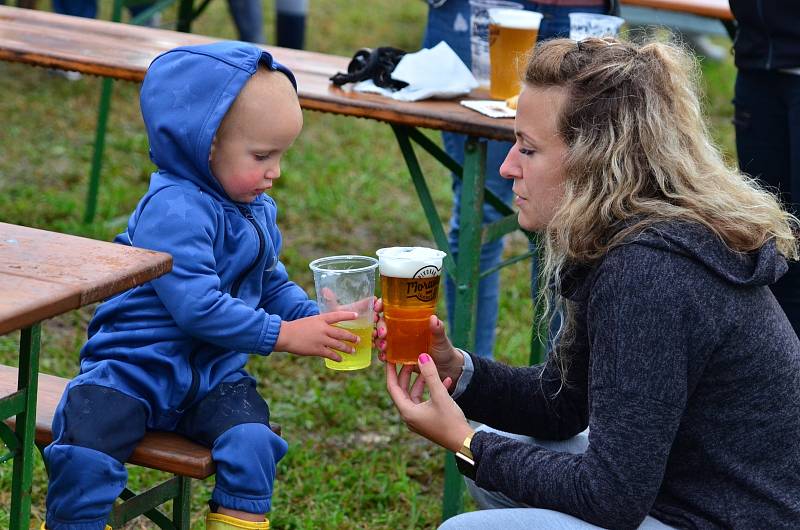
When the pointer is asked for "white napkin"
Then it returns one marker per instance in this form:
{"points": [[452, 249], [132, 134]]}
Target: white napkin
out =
{"points": [[430, 72]]}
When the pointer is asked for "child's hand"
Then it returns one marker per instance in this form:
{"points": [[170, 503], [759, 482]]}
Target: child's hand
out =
{"points": [[317, 336]]}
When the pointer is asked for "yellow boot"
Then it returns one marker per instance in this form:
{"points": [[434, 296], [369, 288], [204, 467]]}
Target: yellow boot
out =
{"points": [[217, 521]]}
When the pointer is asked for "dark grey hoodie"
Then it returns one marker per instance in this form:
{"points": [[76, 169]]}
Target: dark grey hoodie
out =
{"points": [[687, 373]]}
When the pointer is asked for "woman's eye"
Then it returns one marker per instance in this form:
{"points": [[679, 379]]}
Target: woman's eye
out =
{"points": [[526, 152], [261, 158]]}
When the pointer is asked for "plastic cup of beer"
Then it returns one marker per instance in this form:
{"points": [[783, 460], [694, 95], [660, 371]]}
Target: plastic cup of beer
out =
{"points": [[585, 25], [347, 283], [479, 36], [410, 289], [512, 35]]}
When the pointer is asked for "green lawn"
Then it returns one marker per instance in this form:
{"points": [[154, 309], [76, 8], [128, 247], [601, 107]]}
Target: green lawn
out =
{"points": [[351, 464]]}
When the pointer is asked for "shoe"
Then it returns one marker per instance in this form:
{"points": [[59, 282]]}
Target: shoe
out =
{"points": [[217, 521]]}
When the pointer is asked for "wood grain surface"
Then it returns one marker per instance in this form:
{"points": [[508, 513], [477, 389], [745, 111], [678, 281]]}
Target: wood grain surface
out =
{"points": [[44, 274]]}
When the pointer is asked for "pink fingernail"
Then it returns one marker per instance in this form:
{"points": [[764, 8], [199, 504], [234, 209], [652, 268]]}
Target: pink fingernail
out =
{"points": [[424, 358]]}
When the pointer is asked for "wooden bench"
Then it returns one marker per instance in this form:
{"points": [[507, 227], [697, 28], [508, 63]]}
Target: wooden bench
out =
{"points": [[162, 451]]}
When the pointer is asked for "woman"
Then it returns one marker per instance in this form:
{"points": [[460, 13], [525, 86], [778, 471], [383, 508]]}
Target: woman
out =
{"points": [[673, 352]]}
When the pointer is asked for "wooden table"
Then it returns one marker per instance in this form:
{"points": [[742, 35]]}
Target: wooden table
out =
{"points": [[44, 274]]}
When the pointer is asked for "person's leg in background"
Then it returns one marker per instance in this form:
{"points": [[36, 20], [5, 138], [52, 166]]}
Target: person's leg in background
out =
{"points": [[76, 8], [249, 19], [767, 122], [290, 23], [450, 22]]}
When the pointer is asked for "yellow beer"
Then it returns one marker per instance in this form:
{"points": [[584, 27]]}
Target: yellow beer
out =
{"points": [[363, 354], [410, 289], [512, 34]]}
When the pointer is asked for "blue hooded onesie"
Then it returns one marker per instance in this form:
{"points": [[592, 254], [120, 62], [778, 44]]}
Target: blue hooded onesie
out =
{"points": [[170, 354]]}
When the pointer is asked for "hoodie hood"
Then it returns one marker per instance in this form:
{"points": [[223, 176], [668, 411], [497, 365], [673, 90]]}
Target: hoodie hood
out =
{"points": [[185, 95], [759, 267]]}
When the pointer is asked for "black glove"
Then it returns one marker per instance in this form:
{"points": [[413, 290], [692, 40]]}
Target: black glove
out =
{"points": [[377, 64]]}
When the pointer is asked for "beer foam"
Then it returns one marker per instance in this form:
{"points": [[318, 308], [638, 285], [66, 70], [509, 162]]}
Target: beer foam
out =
{"points": [[409, 262], [515, 18]]}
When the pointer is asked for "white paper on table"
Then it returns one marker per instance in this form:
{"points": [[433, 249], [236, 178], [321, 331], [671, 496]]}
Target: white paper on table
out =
{"points": [[431, 72], [490, 107]]}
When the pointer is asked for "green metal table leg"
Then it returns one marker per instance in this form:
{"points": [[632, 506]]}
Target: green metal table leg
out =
{"points": [[185, 15], [184, 24], [466, 271], [99, 146], [466, 280], [22, 478]]}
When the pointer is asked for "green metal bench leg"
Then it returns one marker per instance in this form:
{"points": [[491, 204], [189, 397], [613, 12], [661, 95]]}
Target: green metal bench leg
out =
{"points": [[147, 503], [182, 503], [22, 480]]}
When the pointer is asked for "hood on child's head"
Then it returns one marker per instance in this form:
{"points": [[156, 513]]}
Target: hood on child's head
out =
{"points": [[186, 93]]}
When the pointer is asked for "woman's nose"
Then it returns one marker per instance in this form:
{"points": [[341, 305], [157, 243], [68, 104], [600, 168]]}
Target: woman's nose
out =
{"points": [[510, 167]]}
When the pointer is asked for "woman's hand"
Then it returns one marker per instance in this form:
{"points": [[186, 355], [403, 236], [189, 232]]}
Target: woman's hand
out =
{"points": [[439, 419], [449, 361]]}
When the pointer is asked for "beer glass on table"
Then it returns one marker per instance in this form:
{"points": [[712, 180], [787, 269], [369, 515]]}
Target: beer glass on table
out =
{"points": [[410, 289], [512, 35]]}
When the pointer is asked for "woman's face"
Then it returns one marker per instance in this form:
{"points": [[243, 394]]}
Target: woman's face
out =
{"points": [[536, 161]]}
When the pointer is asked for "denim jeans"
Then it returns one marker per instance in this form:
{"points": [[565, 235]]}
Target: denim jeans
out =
{"points": [[767, 120], [450, 23], [497, 511], [246, 14]]}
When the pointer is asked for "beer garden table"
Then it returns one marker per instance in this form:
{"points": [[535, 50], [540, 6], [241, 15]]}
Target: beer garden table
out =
{"points": [[119, 51], [44, 274]]}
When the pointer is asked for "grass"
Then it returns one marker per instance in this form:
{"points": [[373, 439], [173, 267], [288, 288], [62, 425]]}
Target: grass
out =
{"points": [[344, 189]]}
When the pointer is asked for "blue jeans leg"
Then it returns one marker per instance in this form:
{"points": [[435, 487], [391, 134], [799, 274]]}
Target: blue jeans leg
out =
{"points": [[450, 23], [498, 511], [76, 8], [249, 19], [767, 122]]}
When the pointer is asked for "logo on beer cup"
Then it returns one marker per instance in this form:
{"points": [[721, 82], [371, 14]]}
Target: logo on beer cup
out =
{"points": [[426, 288]]}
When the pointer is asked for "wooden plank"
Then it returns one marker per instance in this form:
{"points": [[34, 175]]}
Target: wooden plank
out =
{"points": [[706, 8], [44, 274], [123, 51]]}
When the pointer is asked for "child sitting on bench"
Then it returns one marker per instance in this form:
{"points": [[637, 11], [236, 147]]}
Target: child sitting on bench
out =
{"points": [[170, 355]]}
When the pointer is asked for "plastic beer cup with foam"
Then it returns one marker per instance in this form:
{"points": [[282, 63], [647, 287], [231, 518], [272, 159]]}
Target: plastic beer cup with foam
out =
{"points": [[347, 283], [512, 35], [410, 289]]}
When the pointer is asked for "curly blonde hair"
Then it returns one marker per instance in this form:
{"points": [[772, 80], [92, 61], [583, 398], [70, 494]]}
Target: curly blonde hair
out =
{"points": [[639, 153]]}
